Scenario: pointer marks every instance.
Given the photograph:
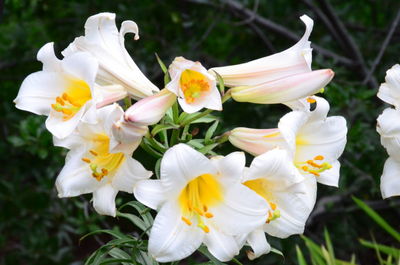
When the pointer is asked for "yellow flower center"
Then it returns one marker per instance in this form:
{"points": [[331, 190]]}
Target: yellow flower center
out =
{"points": [[314, 166], [264, 188], [196, 198], [101, 162], [73, 98], [193, 85]]}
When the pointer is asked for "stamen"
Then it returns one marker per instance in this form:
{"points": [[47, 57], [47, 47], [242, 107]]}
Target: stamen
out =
{"points": [[209, 215], [319, 157], [315, 173], [204, 227], [65, 96], [311, 100], [86, 160], [59, 100], [104, 171], [205, 208], [273, 206], [93, 152], [187, 221], [197, 210]]}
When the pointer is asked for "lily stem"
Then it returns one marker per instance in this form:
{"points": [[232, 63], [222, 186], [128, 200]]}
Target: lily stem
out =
{"points": [[236, 261]]}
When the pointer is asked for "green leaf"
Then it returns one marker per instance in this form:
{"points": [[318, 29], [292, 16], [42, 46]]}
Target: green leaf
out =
{"points": [[208, 148], [221, 85], [203, 250], [134, 219], [161, 127], [377, 218], [277, 251], [300, 258], [382, 248], [210, 133], [196, 143], [207, 119], [162, 65], [329, 246], [114, 233]]}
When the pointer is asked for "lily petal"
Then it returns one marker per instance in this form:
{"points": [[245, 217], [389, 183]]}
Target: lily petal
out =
{"points": [[390, 180], [258, 242], [104, 200], [150, 193], [221, 246], [390, 91]]}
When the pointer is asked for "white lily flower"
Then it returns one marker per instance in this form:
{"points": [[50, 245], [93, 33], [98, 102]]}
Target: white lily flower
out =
{"points": [[194, 86], [278, 78], [103, 40], [290, 195], [313, 140], [389, 130], [95, 164], [199, 201], [390, 90], [64, 91], [150, 110]]}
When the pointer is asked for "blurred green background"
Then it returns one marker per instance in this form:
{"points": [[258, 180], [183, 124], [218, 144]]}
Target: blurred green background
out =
{"points": [[38, 228]]}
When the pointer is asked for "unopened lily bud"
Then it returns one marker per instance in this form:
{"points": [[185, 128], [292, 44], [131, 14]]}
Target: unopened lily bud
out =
{"points": [[127, 136], [285, 89], [256, 141], [150, 110]]}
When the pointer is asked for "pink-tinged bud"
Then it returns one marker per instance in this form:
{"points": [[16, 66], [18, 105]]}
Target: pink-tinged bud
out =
{"points": [[256, 141], [126, 136], [150, 110], [284, 90]]}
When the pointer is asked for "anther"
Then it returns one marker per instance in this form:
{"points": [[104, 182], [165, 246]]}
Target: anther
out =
{"points": [[104, 171], [86, 160], [65, 96], [197, 210], [209, 215], [273, 206], [93, 152], [59, 100], [311, 100], [205, 208], [187, 221], [319, 157], [315, 173]]}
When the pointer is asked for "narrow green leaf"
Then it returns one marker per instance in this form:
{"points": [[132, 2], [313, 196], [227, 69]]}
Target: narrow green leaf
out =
{"points": [[377, 218], [208, 148], [277, 251], [203, 250], [157, 168], [221, 84], [162, 65], [210, 133], [382, 248], [196, 143], [161, 127], [300, 258], [329, 246], [104, 231]]}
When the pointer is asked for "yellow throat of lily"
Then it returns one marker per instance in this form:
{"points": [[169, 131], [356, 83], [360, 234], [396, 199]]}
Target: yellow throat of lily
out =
{"points": [[193, 84], [101, 162], [196, 198], [73, 98]]}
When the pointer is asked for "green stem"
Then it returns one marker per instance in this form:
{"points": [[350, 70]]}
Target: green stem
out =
{"points": [[175, 112], [185, 132], [127, 102], [198, 116], [236, 261], [227, 96], [174, 137]]}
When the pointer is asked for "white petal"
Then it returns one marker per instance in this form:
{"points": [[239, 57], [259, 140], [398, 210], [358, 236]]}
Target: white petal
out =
{"points": [[276, 167], [324, 137], [241, 211], [50, 61], [390, 179], [39, 90], [258, 242], [130, 172], [221, 246], [60, 128], [170, 238], [295, 205], [230, 168], [190, 108], [390, 91], [181, 164], [82, 66], [213, 100], [389, 130], [75, 178], [150, 193], [104, 200], [331, 176]]}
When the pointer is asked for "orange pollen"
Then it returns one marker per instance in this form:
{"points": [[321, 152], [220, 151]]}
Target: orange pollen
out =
{"points": [[305, 168], [205, 208], [59, 100], [311, 100], [187, 221], [206, 229], [197, 210], [104, 171], [93, 152], [273, 206], [319, 157], [86, 160], [209, 215], [315, 173]]}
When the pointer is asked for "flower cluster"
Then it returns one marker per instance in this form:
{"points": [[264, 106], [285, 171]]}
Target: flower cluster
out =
{"points": [[389, 130], [201, 197]]}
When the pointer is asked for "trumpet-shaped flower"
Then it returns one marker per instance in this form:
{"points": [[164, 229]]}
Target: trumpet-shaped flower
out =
{"points": [[150, 110], [290, 195], [389, 130], [313, 140], [64, 91], [103, 40], [278, 78], [96, 165], [194, 86], [199, 201], [390, 90]]}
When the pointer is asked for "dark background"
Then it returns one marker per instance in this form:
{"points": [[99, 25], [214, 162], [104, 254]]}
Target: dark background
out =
{"points": [[353, 37]]}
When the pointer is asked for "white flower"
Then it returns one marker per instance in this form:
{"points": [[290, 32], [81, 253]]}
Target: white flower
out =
{"points": [[94, 166], [389, 129], [313, 140], [103, 41], [194, 86], [64, 90], [199, 201], [290, 195], [278, 78], [390, 90]]}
